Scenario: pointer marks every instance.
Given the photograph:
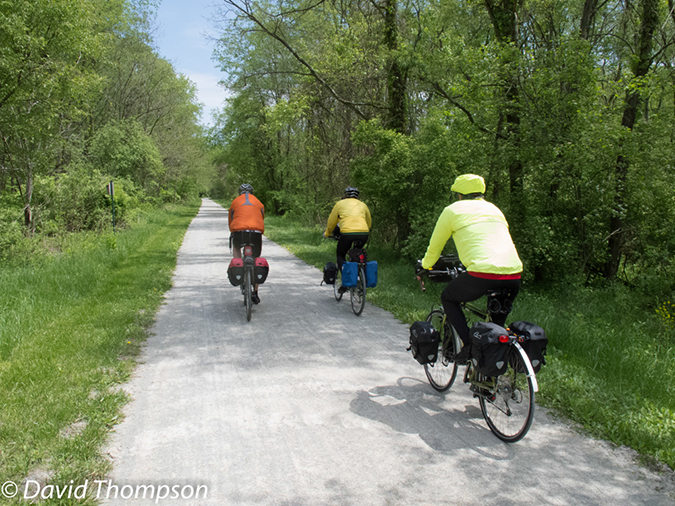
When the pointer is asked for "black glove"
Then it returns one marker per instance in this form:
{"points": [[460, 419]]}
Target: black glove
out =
{"points": [[419, 270]]}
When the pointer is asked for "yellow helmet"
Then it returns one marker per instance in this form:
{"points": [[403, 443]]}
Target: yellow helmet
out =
{"points": [[468, 183]]}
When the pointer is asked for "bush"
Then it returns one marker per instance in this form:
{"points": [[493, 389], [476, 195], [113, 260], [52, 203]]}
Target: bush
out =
{"points": [[77, 200], [123, 150]]}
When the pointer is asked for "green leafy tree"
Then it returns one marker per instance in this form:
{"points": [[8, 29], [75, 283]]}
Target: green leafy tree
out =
{"points": [[45, 50]]}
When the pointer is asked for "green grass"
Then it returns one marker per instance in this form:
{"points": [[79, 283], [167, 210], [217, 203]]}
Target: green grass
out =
{"points": [[611, 360], [71, 325]]}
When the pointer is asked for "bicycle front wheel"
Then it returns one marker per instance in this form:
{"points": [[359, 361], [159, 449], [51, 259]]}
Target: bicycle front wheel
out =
{"points": [[509, 408], [247, 293], [358, 293], [336, 288], [442, 373]]}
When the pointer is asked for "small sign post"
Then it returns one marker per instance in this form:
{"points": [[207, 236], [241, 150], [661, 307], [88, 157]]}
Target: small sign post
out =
{"points": [[111, 191]]}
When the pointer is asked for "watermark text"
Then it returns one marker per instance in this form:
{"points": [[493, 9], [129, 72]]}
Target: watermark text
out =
{"points": [[103, 489]]}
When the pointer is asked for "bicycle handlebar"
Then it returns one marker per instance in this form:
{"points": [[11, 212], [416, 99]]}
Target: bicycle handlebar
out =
{"points": [[432, 273], [451, 272]]}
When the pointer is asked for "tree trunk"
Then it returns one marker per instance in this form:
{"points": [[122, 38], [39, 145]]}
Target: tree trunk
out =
{"points": [[396, 78], [504, 16], [671, 9], [640, 67], [587, 18], [26, 197]]}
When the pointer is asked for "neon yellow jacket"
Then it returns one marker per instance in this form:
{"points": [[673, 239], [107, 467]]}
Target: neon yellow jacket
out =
{"points": [[352, 215], [481, 236]]}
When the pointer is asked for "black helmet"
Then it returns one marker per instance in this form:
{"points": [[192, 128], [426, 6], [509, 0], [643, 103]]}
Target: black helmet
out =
{"points": [[351, 193], [245, 188]]}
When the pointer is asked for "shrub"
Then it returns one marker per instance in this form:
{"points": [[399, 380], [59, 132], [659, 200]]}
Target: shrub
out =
{"points": [[123, 150]]}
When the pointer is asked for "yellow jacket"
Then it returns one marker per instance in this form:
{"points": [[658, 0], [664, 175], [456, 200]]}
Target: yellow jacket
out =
{"points": [[481, 236], [352, 215]]}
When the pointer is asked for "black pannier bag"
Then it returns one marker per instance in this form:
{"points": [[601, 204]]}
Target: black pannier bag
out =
{"points": [[534, 344], [424, 339], [488, 354], [235, 271], [329, 273]]}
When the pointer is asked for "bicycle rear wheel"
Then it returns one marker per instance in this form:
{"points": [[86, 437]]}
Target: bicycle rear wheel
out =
{"points": [[509, 409], [442, 373], [358, 293], [247, 293]]}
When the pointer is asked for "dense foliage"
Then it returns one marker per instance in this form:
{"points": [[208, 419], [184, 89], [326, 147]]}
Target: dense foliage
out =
{"points": [[85, 99], [566, 107]]}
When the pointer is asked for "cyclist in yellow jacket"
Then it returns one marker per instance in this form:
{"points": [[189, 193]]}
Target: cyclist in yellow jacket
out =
{"points": [[484, 246], [353, 218]]}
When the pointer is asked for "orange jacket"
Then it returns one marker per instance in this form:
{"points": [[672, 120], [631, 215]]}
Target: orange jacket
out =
{"points": [[246, 213]]}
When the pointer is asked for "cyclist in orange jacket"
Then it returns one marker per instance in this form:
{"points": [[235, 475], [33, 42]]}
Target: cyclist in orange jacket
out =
{"points": [[246, 220], [484, 246]]}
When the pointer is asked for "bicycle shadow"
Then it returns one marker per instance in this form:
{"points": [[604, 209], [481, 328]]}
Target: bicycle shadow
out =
{"points": [[413, 407]]}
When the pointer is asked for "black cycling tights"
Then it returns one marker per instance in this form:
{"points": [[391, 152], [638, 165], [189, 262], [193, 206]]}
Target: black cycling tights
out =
{"points": [[345, 243], [466, 288]]}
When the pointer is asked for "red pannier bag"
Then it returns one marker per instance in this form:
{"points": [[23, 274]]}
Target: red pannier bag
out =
{"points": [[261, 270], [235, 271]]}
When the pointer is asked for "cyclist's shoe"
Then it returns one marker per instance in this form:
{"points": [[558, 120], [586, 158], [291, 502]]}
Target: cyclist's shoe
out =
{"points": [[254, 298], [343, 289], [463, 356]]}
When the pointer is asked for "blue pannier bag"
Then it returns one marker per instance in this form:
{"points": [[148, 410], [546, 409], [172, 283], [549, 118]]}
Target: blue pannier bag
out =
{"points": [[371, 274], [350, 274]]}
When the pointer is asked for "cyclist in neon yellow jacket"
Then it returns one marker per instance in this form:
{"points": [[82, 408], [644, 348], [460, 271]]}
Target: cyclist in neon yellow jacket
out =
{"points": [[484, 246], [354, 221]]}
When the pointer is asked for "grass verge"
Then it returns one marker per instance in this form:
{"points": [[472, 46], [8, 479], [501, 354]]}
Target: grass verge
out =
{"points": [[70, 328], [610, 364]]}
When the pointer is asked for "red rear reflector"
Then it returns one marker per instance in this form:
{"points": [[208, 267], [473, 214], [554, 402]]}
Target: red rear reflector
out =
{"points": [[503, 338]]}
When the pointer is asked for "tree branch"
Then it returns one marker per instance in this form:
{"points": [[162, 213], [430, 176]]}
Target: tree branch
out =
{"points": [[437, 88], [299, 11], [246, 11]]}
